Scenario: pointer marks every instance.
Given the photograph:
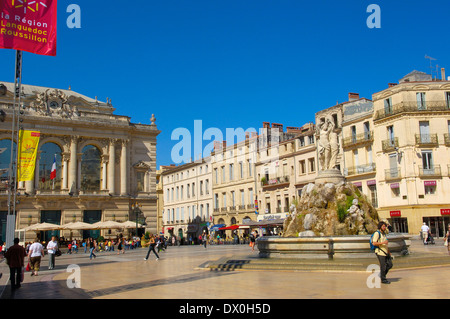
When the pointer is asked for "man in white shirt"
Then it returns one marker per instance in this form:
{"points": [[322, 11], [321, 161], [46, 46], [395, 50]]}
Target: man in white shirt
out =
{"points": [[425, 229], [52, 247]]}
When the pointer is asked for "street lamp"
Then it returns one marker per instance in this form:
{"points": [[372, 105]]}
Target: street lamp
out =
{"points": [[136, 208]]}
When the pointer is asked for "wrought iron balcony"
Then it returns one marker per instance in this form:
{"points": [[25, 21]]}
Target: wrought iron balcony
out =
{"points": [[447, 139], [392, 174], [426, 139], [390, 144], [360, 169], [358, 139], [275, 181], [413, 106], [433, 171]]}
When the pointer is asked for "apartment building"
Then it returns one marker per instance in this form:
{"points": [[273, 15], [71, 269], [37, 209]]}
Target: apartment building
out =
{"points": [[187, 196], [234, 183], [357, 145], [283, 169], [412, 150]]}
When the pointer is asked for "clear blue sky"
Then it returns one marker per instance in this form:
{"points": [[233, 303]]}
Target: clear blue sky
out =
{"points": [[235, 63]]}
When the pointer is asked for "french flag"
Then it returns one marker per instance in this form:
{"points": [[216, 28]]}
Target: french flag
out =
{"points": [[53, 171]]}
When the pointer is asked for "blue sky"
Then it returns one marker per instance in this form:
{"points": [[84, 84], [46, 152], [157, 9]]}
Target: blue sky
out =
{"points": [[235, 63]]}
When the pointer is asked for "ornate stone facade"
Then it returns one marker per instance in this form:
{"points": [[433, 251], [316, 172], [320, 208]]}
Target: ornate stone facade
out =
{"points": [[105, 163]]}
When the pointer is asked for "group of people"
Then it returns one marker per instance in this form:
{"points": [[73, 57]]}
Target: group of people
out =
{"points": [[15, 258]]}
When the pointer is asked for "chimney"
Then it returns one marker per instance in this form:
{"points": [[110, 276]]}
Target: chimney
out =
{"points": [[353, 96], [266, 125], [391, 84], [442, 74], [247, 135], [278, 126]]}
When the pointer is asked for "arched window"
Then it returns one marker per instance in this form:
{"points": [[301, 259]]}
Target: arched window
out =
{"points": [[50, 152], [90, 168]]}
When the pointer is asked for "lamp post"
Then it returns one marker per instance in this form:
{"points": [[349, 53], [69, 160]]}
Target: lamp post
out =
{"points": [[136, 208]]}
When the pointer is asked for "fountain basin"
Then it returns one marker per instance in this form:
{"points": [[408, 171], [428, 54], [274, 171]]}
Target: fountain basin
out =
{"points": [[328, 247]]}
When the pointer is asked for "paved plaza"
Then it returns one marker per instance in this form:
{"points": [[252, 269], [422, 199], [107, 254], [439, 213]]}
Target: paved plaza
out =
{"points": [[183, 273]]}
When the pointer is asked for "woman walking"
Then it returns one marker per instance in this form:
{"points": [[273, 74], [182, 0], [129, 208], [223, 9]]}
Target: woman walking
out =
{"points": [[34, 256], [121, 247], [152, 247], [91, 248], [446, 239]]}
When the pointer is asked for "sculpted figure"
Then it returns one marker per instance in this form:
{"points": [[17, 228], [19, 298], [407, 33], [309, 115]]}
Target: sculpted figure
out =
{"points": [[334, 146], [324, 148]]}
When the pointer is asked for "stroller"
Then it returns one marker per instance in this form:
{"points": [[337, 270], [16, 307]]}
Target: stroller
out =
{"points": [[430, 239]]}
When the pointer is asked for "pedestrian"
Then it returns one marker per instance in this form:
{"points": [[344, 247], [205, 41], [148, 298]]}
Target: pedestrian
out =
{"points": [[425, 229], [121, 247], [92, 247], [447, 238], [253, 236], [382, 251], [151, 247], [160, 244], [204, 239], [36, 252], [52, 247], [15, 256]]}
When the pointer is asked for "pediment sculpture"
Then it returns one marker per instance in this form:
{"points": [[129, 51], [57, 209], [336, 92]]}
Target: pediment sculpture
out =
{"points": [[53, 102]]}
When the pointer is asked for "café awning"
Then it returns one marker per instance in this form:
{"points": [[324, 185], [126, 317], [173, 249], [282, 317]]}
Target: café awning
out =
{"points": [[232, 227]]}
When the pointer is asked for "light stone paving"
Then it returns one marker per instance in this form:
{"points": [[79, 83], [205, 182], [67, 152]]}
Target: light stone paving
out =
{"points": [[179, 274]]}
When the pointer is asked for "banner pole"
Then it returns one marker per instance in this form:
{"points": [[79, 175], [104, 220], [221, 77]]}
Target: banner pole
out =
{"points": [[12, 182]]}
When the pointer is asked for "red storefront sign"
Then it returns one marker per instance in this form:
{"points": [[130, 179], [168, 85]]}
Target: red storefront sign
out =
{"points": [[445, 211], [395, 213], [371, 182], [429, 183]]}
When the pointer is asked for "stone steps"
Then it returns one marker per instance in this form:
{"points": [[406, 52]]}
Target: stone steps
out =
{"points": [[254, 263]]}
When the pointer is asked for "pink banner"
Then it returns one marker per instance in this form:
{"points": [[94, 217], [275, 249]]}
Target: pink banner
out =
{"points": [[28, 25]]}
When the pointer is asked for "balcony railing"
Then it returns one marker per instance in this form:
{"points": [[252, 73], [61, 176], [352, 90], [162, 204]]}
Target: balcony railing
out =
{"points": [[358, 139], [360, 169], [275, 181], [426, 139], [392, 174], [447, 139], [390, 144], [412, 106], [433, 171]]}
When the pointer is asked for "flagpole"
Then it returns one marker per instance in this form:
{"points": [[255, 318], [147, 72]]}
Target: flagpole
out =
{"points": [[12, 180]]}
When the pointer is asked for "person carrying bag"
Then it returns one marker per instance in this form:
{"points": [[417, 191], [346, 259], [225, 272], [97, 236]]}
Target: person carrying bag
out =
{"points": [[382, 251]]}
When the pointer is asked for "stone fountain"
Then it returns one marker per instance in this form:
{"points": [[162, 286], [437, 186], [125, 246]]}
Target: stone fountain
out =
{"points": [[332, 218]]}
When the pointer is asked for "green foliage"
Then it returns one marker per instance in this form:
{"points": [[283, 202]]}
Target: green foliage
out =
{"points": [[341, 212], [100, 239]]}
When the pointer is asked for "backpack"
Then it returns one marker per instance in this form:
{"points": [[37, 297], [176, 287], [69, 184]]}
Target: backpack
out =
{"points": [[372, 246]]}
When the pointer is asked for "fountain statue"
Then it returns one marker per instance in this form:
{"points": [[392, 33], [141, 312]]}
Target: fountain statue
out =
{"points": [[332, 218]]}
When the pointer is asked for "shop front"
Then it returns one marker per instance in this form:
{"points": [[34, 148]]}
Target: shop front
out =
{"points": [[438, 224]]}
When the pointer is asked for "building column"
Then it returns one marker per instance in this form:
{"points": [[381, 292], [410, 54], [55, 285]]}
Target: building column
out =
{"points": [[72, 178], [79, 157], [65, 160], [104, 172], [123, 168], [111, 166], [36, 171]]}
